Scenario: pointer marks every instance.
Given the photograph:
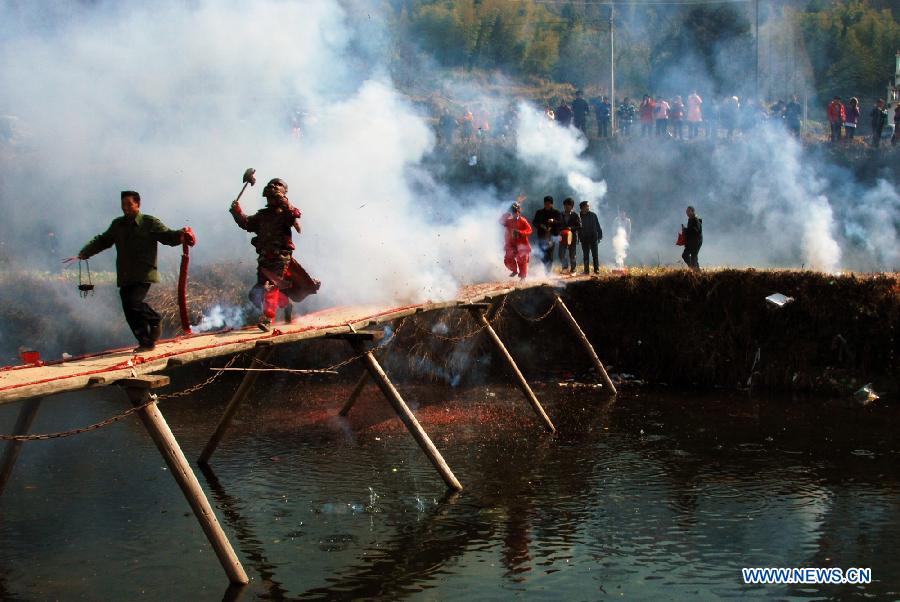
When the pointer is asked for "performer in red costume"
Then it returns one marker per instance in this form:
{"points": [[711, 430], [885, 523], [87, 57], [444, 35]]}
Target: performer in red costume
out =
{"points": [[517, 249]]}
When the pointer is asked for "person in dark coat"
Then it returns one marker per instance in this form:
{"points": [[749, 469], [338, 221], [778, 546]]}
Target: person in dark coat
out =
{"points": [[580, 111], [279, 279], [546, 224], [564, 114], [591, 234], [879, 118], [693, 239], [136, 236], [568, 236]]}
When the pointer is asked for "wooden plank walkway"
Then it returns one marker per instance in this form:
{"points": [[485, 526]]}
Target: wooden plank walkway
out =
{"points": [[101, 369]]}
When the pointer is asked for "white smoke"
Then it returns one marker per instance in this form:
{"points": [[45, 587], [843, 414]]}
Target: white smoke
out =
{"points": [[556, 152], [219, 317], [176, 100], [620, 246]]}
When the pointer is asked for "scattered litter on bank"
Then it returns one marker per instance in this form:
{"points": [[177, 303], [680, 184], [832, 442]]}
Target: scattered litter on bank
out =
{"points": [[779, 300]]}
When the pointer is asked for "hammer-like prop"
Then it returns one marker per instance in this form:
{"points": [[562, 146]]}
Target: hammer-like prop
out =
{"points": [[249, 178]]}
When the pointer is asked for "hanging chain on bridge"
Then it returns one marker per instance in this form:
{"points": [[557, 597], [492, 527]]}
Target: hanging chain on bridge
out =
{"points": [[113, 419]]}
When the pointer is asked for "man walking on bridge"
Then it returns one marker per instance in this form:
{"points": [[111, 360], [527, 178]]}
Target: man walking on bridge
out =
{"points": [[279, 278], [135, 236]]}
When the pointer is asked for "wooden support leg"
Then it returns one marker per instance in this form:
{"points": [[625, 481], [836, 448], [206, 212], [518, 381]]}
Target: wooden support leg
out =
{"points": [[520, 379], [579, 334], [405, 414], [354, 395], [11, 453], [242, 391], [138, 390]]}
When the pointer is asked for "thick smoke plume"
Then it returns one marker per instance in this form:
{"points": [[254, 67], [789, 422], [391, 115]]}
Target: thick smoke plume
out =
{"points": [[177, 101]]}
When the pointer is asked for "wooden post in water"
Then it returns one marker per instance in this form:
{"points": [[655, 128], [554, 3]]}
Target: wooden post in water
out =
{"points": [[23, 424], [138, 390], [403, 411], [579, 334], [479, 316], [354, 395], [263, 353]]}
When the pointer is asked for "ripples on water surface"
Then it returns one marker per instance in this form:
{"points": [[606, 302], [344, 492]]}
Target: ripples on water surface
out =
{"points": [[656, 496]]}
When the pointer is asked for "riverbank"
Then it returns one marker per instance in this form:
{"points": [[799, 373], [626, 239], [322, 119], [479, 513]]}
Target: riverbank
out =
{"points": [[716, 329]]}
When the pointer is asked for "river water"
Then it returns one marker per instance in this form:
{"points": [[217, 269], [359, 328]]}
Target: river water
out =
{"points": [[654, 496]]}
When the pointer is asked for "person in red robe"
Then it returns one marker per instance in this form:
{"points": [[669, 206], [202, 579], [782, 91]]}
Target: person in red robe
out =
{"points": [[517, 249]]}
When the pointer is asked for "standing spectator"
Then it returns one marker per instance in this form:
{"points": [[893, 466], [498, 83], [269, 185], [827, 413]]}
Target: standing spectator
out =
{"points": [[676, 116], [467, 127], [836, 117], [564, 114], [694, 114], [645, 113], [603, 110], [693, 239], [851, 118], [546, 223], [879, 118], [446, 128], [731, 107], [896, 135], [749, 115], [549, 113], [625, 116], [580, 111], [661, 115], [516, 248], [482, 121], [776, 112], [591, 234], [792, 115], [711, 119], [568, 236]]}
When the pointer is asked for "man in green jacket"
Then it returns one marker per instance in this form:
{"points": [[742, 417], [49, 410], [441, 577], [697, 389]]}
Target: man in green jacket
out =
{"points": [[135, 236]]}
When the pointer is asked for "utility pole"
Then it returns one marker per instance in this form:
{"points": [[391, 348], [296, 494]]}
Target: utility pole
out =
{"points": [[756, 4], [612, 70]]}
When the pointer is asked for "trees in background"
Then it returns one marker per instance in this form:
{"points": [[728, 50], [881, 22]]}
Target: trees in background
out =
{"points": [[826, 46]]}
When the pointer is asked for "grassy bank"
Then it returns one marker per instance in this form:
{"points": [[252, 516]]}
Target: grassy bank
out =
{"points": [[715, 329]]}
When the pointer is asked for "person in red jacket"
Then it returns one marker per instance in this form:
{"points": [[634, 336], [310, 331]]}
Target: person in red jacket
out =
{"points": [[516, 248], [836, 116]]}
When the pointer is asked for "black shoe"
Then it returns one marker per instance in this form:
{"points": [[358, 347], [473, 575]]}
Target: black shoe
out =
{"points": [[264, 323], [155, 331], [144, 347]]}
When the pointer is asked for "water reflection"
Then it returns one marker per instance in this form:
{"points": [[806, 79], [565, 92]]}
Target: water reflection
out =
{"points": [[653, 496]]}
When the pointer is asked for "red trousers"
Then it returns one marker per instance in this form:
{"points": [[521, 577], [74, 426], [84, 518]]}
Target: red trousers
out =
{"points": [[516, 260]]}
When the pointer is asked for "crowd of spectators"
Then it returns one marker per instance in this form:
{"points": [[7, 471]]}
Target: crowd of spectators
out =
{"points": [[675, 117]]}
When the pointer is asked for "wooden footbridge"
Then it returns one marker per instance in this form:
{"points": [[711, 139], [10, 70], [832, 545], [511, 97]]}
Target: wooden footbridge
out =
{"points": [[140, 374]]}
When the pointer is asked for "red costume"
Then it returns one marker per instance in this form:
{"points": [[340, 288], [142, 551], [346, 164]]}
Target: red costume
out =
{"points": [[517, 249]]}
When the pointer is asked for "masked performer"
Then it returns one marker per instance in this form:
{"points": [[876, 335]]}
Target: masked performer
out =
{"points": [[279, 278]]}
